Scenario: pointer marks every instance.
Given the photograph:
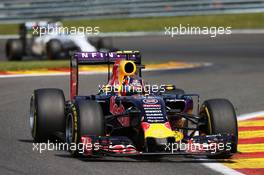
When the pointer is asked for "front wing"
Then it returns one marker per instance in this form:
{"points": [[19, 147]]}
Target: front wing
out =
{"points": [[123, 146]]}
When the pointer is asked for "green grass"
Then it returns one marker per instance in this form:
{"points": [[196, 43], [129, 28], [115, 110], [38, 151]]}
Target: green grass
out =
{"points": [[236, 21], [30, 65], [8, 29]]}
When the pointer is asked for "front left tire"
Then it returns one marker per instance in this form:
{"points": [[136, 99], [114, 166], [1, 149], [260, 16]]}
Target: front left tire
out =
{"points": [[84, 118], [47, 114]]}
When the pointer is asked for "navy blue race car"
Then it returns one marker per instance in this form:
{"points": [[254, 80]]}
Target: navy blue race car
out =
{"points": [[129, 118]]}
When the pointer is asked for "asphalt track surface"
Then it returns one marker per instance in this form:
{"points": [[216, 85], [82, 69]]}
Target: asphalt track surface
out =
{"points": [[237, 74]]}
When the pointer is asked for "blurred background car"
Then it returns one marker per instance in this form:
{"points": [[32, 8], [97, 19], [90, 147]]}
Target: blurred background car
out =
{"points": [[43, 38]]}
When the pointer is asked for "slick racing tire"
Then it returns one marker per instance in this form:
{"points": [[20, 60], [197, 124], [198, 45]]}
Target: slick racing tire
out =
{"points": [[47, 116], [221, 119], [84, 118], [54, 49], [14, 49]]}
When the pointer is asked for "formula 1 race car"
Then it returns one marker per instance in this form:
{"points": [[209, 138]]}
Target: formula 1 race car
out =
{"points": [[51, 39], [129, 118]]}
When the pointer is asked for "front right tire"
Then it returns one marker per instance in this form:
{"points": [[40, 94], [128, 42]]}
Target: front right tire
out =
{"points": [[221, 118]]}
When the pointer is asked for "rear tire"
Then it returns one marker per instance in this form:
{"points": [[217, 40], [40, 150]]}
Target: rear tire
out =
{"points": [[47, 114], [54, 49], [14, 49], [85, 118], [221, 119]]}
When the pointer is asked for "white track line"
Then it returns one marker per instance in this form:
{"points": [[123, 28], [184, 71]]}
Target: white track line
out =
{"points": [[218, 167], [250, 115]]}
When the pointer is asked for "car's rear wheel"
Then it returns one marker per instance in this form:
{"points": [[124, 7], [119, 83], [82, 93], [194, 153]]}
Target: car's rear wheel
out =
{"points": [[220, 117], [47, 114], [14, 49], [84, 118]]}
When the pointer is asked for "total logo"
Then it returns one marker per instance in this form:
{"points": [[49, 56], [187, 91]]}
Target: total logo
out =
{"points": [[150, 101]]}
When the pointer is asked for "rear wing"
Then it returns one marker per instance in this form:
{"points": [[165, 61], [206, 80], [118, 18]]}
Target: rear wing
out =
{"points": [[98, 58], [88, 58]]}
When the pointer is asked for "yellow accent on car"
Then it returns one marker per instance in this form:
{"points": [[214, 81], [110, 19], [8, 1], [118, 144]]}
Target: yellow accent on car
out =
{"points": [[123, 72], [169, 88], [209, 120], [75, 129], [158, 130], [178, 136]]}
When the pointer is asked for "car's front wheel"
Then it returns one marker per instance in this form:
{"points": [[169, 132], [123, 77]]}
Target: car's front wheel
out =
{"points": [[47, 114], [220, 117], [84, 118]]}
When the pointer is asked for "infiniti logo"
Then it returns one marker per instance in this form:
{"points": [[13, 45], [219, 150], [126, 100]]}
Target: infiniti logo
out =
{"points": [[150, 101]]}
